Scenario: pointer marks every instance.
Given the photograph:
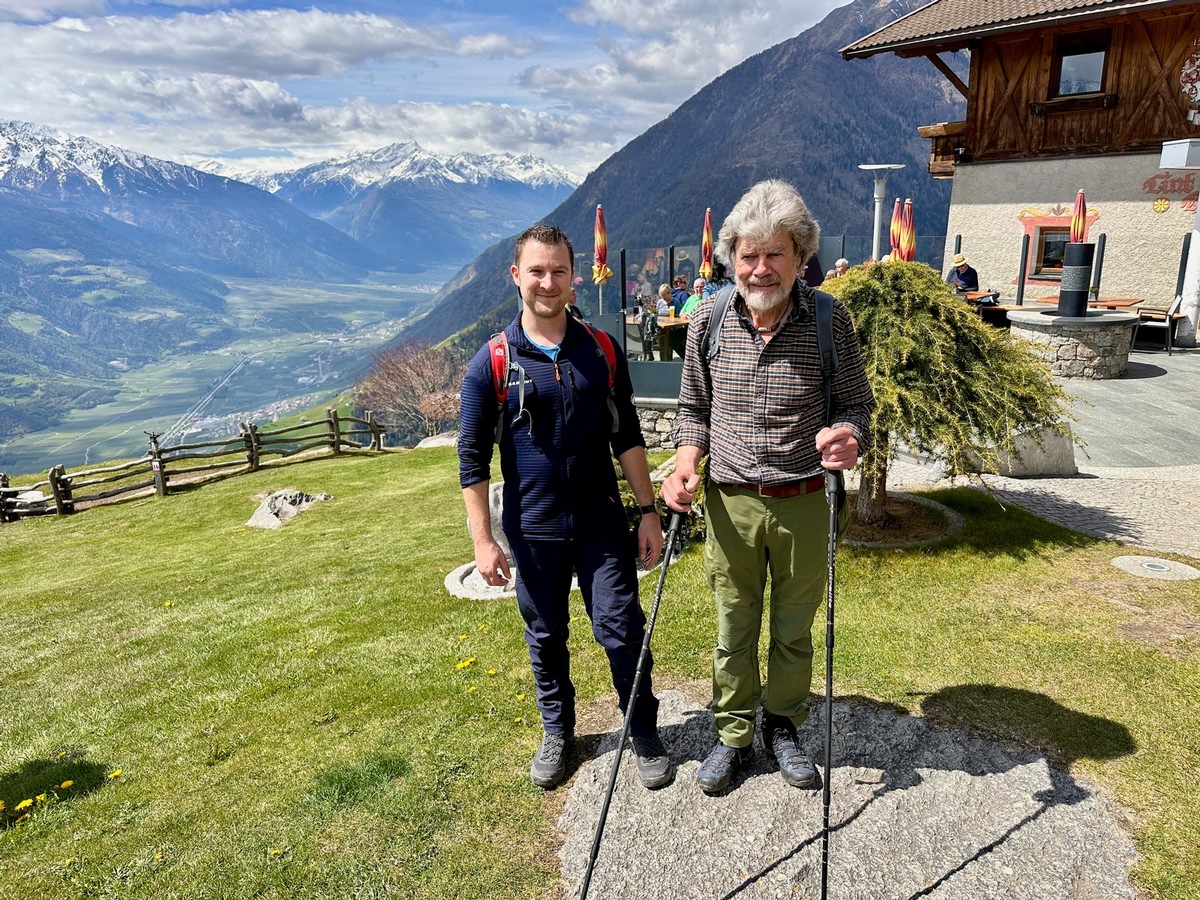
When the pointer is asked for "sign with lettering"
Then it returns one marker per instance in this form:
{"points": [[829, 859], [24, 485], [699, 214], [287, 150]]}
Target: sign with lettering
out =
{"points": [[1169, 184]]}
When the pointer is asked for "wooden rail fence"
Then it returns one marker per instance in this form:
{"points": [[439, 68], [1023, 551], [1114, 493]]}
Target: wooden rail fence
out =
{"points": [[163, 468]]}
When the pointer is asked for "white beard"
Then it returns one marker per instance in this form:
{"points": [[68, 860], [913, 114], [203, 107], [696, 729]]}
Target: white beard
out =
{"points": [[763, 303]]}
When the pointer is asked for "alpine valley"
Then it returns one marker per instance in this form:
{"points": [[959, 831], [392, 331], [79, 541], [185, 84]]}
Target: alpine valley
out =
{"points": [[140, 294], [143, 295]]}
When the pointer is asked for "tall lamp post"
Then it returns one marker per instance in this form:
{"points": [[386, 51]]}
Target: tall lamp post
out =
{"points": [[880, 171]]}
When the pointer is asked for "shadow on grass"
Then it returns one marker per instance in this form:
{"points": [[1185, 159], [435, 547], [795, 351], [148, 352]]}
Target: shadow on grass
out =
{"points": [[998, 527], [67, 775], [1030, 719]]}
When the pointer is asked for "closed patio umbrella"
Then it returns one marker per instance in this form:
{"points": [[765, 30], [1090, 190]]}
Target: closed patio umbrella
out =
{"points": [[600, 270], [908, 234], [1078, 220], [706, 246], [894, 231]]}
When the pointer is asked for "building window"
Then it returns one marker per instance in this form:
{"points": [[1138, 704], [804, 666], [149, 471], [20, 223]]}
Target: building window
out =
{"points": [[1079, 63], [1049, 248]]}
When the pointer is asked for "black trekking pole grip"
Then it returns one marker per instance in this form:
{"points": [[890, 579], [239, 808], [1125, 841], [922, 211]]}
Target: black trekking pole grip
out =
{"points": [[676, 522], [833, 489]]}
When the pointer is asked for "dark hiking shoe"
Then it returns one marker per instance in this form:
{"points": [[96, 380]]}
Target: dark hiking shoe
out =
{"points": [[779, 736], [653, 765], [550, 762], [718, 770]]}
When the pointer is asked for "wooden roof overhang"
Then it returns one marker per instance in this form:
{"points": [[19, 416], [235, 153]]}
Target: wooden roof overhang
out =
{"points": [[948, 25]]}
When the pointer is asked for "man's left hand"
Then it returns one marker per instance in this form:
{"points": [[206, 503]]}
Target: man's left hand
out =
{"points": [[839, 448], [649, 541]]}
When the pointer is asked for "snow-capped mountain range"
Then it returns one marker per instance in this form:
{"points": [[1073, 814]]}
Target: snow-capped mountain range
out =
{"points": [[37, 158], [410, 162], [415, 208]]}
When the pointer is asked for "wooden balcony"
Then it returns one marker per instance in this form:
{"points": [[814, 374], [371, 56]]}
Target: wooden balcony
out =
{"points": [[948, 146]]}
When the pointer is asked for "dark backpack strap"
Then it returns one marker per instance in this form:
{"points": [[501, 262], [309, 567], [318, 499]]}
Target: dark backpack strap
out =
{"points": [[712, 337], [826, 348]]}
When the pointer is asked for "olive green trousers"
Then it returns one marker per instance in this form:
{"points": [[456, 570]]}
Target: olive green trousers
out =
{"points": [[749, 538]]}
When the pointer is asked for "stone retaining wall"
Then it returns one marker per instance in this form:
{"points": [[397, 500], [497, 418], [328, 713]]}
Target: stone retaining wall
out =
{"points": [[657, 418]]}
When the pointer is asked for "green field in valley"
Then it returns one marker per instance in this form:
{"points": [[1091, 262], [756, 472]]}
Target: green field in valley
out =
{"points": [[298, 345]]}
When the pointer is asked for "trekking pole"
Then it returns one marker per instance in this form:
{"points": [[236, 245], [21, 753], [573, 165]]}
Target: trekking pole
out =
{"points": [[833, 484], [668, 551]]}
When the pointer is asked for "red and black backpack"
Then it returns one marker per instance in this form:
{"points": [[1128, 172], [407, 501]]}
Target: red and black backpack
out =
{"points": [[503, 364]]}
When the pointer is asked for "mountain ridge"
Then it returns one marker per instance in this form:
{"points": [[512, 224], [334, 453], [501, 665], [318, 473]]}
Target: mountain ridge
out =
{"points": [[796, 111]]}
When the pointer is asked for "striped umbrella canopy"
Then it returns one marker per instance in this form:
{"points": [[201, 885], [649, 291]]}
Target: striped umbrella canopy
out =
{"points": [[600, 270], [1079, 220], [897, 224], [706, 246], [908, 234]]}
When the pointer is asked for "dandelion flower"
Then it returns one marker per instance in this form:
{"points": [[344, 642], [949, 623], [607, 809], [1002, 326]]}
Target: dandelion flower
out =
{"points": [[573, 619], [115, 773], [24, 804], [40, 798], [463, 636], [491, 671], [67, 863], [465, 664], [1, 806], [158, 856], [168, 604], [66, 784], [520, 696], [472, 689], [274, 851], [517, 720], [485, 627], [312, 649]]}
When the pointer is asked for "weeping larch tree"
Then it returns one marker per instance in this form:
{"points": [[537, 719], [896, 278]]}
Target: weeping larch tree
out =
{"points": [[946, 384]]}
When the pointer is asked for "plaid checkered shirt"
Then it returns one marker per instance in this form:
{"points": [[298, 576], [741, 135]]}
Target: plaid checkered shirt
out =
{"points": [[757, 406]]}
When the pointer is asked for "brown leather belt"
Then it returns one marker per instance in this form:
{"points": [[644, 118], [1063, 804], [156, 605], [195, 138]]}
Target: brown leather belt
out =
{"points": [[791, 489]]}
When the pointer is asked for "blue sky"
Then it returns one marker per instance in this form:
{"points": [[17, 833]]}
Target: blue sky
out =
{"points": [[278, 85]]}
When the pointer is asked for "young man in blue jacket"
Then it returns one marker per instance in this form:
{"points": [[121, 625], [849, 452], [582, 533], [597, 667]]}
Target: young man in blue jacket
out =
{"points": [[562, 508]]}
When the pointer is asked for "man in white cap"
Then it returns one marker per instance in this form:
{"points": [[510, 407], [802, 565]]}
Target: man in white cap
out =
{"points": [[962, 276]]}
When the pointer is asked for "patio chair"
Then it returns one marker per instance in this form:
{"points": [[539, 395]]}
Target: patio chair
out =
{"points": [[1166, 319], [649, 329]]}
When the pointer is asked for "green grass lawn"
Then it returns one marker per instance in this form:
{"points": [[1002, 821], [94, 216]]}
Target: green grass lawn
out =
{"points": [[198, 709]]}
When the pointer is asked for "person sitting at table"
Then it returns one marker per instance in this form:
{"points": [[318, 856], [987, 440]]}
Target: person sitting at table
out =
{"points": [[694, 300], [664, 300], [961, 275], [679, 293]]}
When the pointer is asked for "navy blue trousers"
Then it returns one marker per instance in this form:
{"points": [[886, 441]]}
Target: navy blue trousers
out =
{"points": [[605, 567]]}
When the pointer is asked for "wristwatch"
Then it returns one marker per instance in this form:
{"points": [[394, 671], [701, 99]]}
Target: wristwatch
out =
{"points": [[648, 509]]}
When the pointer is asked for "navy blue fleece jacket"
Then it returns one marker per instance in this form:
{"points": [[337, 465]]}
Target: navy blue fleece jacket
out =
{"points": [[555, 458]]}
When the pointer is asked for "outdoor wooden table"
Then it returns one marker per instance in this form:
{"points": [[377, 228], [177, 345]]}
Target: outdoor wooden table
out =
{"points": [[976, 296], [665, 324], [1101, 302]]}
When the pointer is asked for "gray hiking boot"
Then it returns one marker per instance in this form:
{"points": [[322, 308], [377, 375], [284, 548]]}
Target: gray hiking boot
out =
{"points": [[550, 762], [653, 765], [718, 770], [779, 736]]}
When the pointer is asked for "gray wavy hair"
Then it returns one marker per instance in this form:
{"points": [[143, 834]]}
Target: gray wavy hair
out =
{"points": [[763, 210]]}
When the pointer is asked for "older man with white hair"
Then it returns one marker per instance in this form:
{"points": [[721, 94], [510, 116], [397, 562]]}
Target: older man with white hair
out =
{"points": [[756, 410]]}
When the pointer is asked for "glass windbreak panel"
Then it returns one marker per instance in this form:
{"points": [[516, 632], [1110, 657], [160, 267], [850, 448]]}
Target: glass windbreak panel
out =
{"points": [[1051, 245], [646, 269]]}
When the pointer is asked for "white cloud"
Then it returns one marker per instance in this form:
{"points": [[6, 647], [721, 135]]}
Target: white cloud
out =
{"points": [[573, 84], [44, 10]]}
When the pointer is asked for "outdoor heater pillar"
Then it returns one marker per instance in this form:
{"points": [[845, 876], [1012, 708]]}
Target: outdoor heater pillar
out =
{"points": [[1076, 279], [880, 171]]}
